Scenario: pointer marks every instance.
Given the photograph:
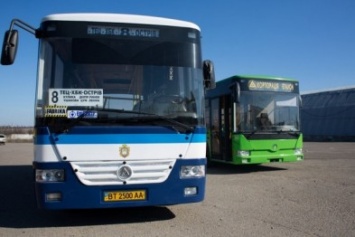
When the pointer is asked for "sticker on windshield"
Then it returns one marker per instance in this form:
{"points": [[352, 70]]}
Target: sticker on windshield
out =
{"points": [[76, 97], [55, 111], [73, 114]]}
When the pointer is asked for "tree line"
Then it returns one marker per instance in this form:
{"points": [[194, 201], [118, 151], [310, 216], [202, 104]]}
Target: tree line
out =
{"points": [[8, 130]]}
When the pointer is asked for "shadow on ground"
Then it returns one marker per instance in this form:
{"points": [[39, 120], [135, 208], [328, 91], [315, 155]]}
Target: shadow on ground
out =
{"points": [[220, 168], [18, 207]]}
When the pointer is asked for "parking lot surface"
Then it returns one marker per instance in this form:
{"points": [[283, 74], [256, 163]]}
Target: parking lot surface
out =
{"points": [[315, 197]]}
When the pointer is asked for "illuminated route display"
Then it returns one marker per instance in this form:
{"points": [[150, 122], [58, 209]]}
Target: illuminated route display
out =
{"points": [[123, 31], [266, 85]]}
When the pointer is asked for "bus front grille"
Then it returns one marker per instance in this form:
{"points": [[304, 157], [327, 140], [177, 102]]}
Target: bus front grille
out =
{"points": [[108, 172]]}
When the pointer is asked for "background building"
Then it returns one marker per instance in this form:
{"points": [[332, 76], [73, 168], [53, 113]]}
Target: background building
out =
{"points": [[329, 115]]}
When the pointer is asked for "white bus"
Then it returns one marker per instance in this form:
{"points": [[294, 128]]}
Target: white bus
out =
{"points": [[119, 113]]}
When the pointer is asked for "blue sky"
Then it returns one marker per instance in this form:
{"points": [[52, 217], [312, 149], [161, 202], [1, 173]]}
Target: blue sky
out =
{"points": [[309, 40]]}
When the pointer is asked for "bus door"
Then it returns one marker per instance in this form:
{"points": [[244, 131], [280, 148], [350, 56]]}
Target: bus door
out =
{"points": [[221, 113]]}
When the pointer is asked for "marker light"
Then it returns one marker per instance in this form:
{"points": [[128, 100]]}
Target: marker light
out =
{"points": [[53, 197], [190, 191]]}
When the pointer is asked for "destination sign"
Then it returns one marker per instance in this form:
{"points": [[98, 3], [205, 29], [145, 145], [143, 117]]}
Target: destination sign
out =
{"points": [[76, 97], [262, 85], [123, 31]]}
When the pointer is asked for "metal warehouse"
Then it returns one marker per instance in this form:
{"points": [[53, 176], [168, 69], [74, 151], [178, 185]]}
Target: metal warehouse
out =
{"points": [[329, 115]]}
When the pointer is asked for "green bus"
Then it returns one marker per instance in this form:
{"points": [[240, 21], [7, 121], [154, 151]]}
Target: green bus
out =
{"points": [[254, 120]]}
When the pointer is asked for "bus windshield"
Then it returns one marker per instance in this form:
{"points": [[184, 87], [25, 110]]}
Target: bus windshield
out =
{"points": [[267, 111], [109, 80]]}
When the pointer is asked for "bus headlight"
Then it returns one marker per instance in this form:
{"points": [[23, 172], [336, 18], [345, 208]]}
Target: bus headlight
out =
{"points": [[243, 153], [192, 171], [49, 176], [298, 151], [299, 154]]}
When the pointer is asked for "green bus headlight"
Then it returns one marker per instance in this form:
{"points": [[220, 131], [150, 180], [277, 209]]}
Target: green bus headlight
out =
{"points": [[243, 153]]}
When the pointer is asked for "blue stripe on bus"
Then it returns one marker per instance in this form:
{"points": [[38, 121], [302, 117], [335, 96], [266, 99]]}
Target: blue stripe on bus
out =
{"points": [[96, 136], [119, 130]]}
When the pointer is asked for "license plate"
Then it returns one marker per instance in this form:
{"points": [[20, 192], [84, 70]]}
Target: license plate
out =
{"points": [[124, 196]]}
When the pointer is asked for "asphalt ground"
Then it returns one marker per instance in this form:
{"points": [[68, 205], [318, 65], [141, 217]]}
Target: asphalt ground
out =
{"points": [[315, 197]]}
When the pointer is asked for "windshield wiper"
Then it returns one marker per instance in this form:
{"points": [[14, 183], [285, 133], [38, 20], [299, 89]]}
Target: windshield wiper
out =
{"points": [[289, 132], [68, 126], [153, 118], [249, 134], [257, 131], [179, 127], [176, 125]]}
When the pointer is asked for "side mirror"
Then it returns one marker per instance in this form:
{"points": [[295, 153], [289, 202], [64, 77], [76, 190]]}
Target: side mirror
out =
{"points": [[208, 74], [9, 47], [235, 91]]}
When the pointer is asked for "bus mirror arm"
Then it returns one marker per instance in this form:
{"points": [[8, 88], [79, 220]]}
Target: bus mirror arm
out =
{"points": [[10, 43], [208, 74]]}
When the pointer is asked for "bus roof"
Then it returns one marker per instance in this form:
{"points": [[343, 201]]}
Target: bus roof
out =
{"points": [[120, 18], [260, 77]]}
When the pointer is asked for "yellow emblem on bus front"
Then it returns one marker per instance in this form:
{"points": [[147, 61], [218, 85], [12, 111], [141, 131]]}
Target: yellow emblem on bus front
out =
{"points": [[124, 151]]}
